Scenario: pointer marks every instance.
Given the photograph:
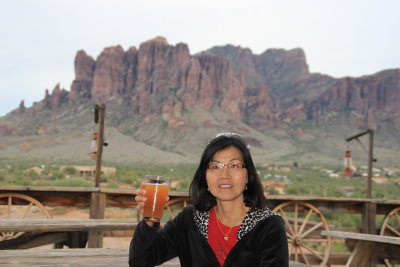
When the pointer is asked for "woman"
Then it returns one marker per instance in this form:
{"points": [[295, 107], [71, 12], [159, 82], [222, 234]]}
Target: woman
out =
{"points": [[229, 223]]}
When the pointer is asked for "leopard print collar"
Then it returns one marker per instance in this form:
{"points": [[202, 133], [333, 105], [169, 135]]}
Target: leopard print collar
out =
{"points": [[251, 219]]}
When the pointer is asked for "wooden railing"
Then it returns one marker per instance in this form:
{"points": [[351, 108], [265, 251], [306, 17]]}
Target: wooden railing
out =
{"points": [[99, 199]]}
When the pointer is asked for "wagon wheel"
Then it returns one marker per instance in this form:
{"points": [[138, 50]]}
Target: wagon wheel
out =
{"points": [[304, 223], [391, 227], [175, 204], [19, 206]]}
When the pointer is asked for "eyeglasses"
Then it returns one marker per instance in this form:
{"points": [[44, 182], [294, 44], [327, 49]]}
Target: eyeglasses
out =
{"points": [[217, 167], [228, 135]]}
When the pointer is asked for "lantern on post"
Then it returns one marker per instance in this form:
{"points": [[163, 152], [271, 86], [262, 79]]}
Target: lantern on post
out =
{"points": [[95, 133], [348, 165]]}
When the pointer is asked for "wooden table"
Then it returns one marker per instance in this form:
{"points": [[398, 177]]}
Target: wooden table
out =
{"points": [[79, 257], [85, 257], [71, 232], [368, 247], [96, 257], [53, 225]]}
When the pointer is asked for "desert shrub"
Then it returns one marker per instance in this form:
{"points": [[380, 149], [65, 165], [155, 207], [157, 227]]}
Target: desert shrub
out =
{"points": [[57, 175], [22, 181], [69, 170], [272, 191]]}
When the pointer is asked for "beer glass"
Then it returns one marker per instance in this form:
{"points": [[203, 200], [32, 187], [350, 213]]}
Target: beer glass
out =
{"points": [[157, 188]]}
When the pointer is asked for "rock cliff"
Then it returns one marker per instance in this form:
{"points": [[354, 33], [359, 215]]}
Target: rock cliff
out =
{"points": [[163, 87]]}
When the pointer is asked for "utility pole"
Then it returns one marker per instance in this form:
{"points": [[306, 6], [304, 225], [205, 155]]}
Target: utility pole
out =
{"points": [[98, 199], [370, 156], [100, 115], [369, 208]]}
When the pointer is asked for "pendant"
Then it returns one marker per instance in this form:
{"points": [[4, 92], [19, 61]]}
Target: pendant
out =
{"points": [[226, 238]]}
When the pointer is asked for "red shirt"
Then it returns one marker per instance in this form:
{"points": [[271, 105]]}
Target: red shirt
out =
{"points": [[219, 245]]}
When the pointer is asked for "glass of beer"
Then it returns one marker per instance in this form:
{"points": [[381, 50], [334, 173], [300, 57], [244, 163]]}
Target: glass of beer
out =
{"points": [[157, 188]]}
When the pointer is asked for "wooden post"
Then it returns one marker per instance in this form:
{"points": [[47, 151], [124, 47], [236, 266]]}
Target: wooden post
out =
{"points": [[98, 200], [100, 142], [370, 157], [97, 208], [370, 160], [368, 212]]}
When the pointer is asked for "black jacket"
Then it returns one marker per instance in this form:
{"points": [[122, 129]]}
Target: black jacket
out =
{"points": [[261, 241]]}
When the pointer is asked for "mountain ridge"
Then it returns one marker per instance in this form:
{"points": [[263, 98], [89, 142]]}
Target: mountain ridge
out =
{"points": [[160, 95]]}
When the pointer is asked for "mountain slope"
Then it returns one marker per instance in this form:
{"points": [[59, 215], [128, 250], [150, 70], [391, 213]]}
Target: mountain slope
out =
{"points": [[164, 105]]}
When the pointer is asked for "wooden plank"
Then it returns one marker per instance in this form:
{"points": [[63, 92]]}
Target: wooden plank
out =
{"points": [[53, 225], [49, 188], [361, 255], [99, 257], [185, 194], [64, 257], [297, 264], [363, 237], [80, 196]]}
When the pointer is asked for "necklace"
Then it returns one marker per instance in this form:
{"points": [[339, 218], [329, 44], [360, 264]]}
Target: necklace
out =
{"points": [[225, 235]]}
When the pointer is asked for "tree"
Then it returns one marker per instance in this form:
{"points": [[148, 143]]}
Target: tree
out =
{"points": [[69, 170]]}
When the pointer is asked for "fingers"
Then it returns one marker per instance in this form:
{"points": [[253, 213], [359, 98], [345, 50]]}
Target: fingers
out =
{"points": [[140, 198]]}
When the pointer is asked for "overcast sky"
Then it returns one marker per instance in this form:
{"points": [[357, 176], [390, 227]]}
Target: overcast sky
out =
{"points": [[39, 38]]}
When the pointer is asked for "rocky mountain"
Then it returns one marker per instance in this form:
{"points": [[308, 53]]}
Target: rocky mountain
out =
{"points": [[169, 103]]}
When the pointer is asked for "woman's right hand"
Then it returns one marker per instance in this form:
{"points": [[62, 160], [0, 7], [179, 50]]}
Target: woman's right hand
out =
{"points": [[140, 198]]}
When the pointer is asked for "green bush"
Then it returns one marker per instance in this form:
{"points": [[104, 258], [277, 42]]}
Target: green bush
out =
{"points": [[57, 175], [272, 191], [25, 181], [69, 170]]}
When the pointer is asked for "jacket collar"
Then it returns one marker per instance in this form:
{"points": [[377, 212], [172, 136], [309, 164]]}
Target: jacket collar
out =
{"points": [[254, 216]]}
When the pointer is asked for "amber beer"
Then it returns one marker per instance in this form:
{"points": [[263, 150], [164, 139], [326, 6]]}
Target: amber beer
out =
{"points": [[157, 188]]}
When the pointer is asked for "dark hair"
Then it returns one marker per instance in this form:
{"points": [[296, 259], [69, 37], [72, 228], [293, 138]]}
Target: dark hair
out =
{"points": [[202, 198]]}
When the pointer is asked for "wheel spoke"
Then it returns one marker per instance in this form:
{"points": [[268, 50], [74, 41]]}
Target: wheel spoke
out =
{"points": [[9, 205], [397, 217], [316, 240], [289, 235], [292, 248], [304, 257], [394, 230], [295, 225], [305, 221], [313, 252], [312, 229], [287, 224], [28, 209]]}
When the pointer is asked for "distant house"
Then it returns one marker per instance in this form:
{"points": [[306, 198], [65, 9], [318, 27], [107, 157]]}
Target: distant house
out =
{"points": [[91, 171], [279, 186]]}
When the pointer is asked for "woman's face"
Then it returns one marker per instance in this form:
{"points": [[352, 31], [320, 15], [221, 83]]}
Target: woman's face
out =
{"points": [[225, 176]]}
